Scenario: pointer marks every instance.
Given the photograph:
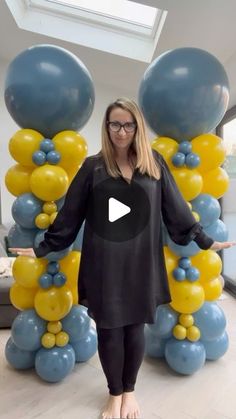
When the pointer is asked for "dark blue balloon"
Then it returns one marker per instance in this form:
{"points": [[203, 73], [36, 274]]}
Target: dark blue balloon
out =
{"points": [[53, 268], [192, 160], [185, 357], [53, 157], [45, 280], [207, 207], [184, 93], [210, 319], [59, 279], [39, 157], [21, 237], [54, 364], [179, 274], [184, 263], [185, 147], [76, 323], [27, 330], [49, 89], [25, 208], [19, 358], [192, 274], [216, 348], [165, 319], [85, 347], [188, 250], [154, 346], [217, 231], [52, 256], [178, 159], [47, 145]]}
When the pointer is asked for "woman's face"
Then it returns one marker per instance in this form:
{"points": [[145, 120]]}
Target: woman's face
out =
{"points": [[121, 136]]}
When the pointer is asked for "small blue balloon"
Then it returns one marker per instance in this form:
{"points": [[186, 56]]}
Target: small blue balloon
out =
{"points": [[25, 208], [178, 159], [185, 147], [210, 319], [185, 357], [217, 231], [76, 323], [165, 319], [85, 347], [53, 268], [179, 274], [184, 263], [59, 279], [54, 364], [19, 358], [39, 157], [47, 145], [154, 346], [53, 157], [27, 330], [192, 274], [21, 237], [216, 348], [45, 281], [207, 207], [192, 160]]}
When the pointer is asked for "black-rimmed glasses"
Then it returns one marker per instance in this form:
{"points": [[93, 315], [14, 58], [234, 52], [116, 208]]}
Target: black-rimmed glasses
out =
{"points": [[116, 126]]}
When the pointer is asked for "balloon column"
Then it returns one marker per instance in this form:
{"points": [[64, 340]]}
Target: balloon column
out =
{"points": [[184, 95], [50, 95]]}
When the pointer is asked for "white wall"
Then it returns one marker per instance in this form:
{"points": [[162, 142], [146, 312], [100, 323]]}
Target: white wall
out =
{"points": [[91, 132]]}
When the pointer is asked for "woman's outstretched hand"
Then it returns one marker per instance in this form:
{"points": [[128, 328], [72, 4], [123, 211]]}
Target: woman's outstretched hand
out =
{"points": [[23, 252], [222, 245]]}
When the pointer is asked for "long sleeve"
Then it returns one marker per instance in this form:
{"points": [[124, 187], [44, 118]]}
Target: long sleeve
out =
{"points": [[178, 218], [69, 219]]}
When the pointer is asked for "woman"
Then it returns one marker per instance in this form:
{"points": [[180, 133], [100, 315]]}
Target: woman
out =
{"points": [[122, 278]]}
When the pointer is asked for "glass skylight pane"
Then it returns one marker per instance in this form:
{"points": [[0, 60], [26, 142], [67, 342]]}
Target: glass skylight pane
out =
{"points": [[120, 9]]}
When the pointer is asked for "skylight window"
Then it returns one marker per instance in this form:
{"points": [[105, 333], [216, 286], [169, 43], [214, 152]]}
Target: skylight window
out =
{"points": [[121, 9], [119, 27]]}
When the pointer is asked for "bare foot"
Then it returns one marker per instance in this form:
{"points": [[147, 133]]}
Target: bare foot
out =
{"points": [[129, 407], [112, 409]]}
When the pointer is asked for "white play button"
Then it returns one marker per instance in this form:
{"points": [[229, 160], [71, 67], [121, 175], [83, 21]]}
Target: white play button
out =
{"points": [[116, 210]]}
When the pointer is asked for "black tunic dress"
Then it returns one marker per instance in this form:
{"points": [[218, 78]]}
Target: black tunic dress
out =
{"points": [[123, 282]]}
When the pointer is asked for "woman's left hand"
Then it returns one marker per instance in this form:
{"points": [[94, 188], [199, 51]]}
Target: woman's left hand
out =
{"points": [[222, 245]]}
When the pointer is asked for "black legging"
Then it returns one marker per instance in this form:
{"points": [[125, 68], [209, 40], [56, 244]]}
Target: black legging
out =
{"points": [[121, 353]]}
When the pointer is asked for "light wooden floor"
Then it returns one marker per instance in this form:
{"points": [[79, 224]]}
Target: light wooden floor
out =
{"points": [[208, 394]]}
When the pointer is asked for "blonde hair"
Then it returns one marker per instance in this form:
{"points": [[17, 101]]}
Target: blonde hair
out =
{"points": [[140, 147]]}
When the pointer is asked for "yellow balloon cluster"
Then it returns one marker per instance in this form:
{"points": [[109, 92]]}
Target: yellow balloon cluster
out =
{"points": [[54, 335], [186, 329]]}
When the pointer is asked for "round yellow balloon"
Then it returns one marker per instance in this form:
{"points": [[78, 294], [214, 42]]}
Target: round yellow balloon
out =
{"points": [[71, 172], [62, 338], [213, 289], [215, 182], [22, 298], [54, 303], [208, 263], [23, 144], [72, 147], [48, 340], [17, 179], [49, 182], [189, 182], [54, 327], [167, 147], [49, 207], [196, 216], [70, 266], [42, 221], [211, 150], [27, 270], [179, 332], [171, 260], [193, 333], [186, 297], [186, 320], [53, 217]]}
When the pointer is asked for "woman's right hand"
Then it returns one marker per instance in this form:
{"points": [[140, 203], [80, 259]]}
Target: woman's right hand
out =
{"points": [[22, 252]]}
